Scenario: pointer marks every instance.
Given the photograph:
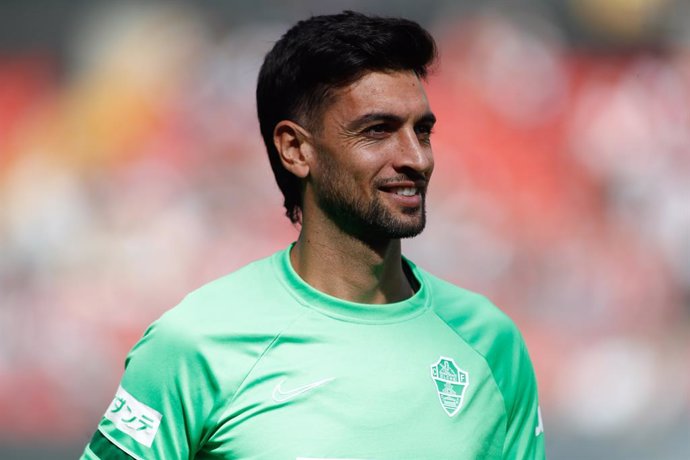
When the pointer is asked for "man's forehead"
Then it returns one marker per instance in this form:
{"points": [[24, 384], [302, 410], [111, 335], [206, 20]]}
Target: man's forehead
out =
{"points": [[383, 92]]}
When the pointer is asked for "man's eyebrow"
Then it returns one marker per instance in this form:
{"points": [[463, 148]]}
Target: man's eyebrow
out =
{"points": [[428, 117], [372, 117], [385, 117]]}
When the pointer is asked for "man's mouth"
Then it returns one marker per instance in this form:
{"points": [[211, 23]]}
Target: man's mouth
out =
{"points": [[404, 188], [408, 194], [405, 191]]}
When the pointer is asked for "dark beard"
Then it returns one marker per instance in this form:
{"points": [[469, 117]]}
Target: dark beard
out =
{"points": [[367, 221]]}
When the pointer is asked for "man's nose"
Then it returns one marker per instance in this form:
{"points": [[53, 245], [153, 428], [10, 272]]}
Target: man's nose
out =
{"points": [[413, 153]]}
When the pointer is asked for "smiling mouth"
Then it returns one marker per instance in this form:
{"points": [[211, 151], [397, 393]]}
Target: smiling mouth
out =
{"points": [[406, 191]]}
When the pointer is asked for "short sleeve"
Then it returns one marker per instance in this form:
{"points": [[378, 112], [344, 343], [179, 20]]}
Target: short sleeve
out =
{"points": [[164, 398]]}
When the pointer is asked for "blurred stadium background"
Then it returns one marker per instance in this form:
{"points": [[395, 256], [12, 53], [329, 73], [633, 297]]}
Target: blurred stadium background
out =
{"points": [[131, 171]]}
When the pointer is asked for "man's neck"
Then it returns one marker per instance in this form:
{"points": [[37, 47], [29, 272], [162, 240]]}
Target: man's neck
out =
{"points": [[350, 269]]}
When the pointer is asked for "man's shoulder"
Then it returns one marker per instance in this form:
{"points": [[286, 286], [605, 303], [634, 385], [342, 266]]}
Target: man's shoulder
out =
{"points": [[252, 297], [470, 314], [253, 279], [451, 300], [225, 324]]}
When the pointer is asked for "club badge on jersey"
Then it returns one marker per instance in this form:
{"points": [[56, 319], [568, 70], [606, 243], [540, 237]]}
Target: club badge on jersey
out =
{"points": [[451, 383]]}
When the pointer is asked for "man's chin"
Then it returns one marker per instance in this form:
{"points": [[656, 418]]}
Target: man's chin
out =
{"points": [[408, 232], [408, 223], [376, 223], [398, 228]]}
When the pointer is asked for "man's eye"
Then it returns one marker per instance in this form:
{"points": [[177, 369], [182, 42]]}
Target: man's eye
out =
{"points": [[424, 133], [377, 130], [424, 130]]}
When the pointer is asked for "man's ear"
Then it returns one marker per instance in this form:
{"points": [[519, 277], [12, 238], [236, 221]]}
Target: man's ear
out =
{"points": [[294, 148]]}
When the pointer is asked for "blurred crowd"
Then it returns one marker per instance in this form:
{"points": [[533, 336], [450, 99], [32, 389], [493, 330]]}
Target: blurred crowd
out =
{"points": [[136, 173]]}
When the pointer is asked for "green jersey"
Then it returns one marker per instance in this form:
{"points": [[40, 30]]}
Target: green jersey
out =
{"points": [[260, 365]]}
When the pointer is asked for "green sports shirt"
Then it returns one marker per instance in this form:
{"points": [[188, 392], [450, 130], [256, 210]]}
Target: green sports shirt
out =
{"points": [[260, 365]]}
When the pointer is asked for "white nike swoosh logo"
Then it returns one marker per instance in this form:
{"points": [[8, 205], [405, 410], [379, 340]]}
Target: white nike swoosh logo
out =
{"points": [[279, 395]]}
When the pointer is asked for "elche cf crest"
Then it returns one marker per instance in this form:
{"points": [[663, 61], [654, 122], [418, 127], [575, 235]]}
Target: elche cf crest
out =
{"points": [[451, 383]]}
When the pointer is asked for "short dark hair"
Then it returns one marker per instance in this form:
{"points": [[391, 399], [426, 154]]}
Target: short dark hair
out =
{"points": [[323, 53]]}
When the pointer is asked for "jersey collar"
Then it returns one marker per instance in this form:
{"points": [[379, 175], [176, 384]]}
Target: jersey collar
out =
{"points": [[346, 310]]}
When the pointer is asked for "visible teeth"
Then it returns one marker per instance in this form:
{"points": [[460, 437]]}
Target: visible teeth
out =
{"points": [[407, 191]]}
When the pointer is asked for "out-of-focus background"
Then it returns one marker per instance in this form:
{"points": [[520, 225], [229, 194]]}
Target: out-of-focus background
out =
{"points": [[132, 171]]}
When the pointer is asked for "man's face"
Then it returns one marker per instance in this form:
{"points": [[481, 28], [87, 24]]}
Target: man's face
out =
{"points": [[374, 157]]}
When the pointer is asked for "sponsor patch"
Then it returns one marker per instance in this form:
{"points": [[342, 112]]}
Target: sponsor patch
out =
{"points": [[133, 417]]}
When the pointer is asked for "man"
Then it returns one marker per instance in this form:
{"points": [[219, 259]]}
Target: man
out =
{"points": [[337, 347]]}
